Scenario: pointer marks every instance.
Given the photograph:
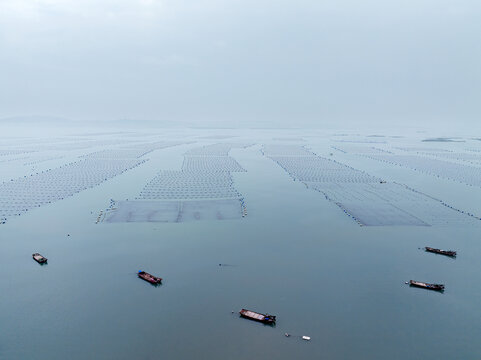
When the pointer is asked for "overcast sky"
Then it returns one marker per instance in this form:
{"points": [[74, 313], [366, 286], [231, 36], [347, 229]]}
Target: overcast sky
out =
{"points": [[234, 62]]}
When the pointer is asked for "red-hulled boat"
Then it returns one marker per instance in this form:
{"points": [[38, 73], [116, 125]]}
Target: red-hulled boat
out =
{"points": [[154, 280], [252, 315]]}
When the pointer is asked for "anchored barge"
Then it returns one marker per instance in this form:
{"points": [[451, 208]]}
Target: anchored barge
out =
{"points": [[252, 315], [39, 258], [436, 287], [154, 280], [441, 252]]}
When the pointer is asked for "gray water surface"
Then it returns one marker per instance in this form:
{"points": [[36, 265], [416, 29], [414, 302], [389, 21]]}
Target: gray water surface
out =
{"points": [[295, 255]]}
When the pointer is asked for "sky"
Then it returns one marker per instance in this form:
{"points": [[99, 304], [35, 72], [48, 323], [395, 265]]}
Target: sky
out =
{"points": [[242, 63]]}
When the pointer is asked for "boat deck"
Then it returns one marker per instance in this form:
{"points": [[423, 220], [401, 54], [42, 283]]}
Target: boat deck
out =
{"points": [[254, 315]]}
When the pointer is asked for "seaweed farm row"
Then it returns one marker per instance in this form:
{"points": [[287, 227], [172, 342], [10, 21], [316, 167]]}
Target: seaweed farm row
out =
{"points": [[368, 200], [148, 147], [220, 149], [437, 162], [20, 195], [474, 159], [116, 154], [202, 190], [189, 185], [8, 152], [360, 149], [466, 174]]}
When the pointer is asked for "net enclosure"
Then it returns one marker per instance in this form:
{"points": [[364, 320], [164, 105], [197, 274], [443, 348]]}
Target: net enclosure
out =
{"points": [[202, 190], [367, 199]]}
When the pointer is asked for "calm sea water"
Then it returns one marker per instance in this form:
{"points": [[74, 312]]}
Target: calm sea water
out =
{"points": [[295, 255]]}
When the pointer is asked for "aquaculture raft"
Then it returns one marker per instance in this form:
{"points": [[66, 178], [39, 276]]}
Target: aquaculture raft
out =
{"points": [[441, 252], [149, 278], [252, 315], [436, 287], [39, 258]]}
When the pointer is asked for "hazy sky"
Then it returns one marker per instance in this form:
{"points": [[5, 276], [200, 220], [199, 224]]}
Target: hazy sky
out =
{"points": [[243, 62]]}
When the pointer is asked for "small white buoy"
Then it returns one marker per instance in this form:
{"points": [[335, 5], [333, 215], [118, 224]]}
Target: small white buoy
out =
{"points": [[307, 338]]}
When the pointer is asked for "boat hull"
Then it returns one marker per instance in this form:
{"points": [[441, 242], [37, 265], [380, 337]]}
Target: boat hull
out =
{"points": [[154, 280], [440, 252], [255, 316], [39, 258], [434, 287]]}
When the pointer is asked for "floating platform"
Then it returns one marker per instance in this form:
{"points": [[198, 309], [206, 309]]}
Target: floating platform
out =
{"points": [[39, 258], [154, 280], [252, 315], [441, 252], [436, 287]]}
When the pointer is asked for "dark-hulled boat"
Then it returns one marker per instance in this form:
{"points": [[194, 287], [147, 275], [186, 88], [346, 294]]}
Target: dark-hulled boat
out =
{"points": [[252, 315], [441, 252], [437, 287], [154, 280], [39, 258]]}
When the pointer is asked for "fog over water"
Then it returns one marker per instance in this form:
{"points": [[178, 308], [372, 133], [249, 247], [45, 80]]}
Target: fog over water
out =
{"points": [[287, 158], [243, 63]]}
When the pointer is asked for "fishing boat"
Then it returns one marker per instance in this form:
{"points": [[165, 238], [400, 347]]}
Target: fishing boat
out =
{"points": [[442, 252], [149, 278], [252, 315], [39, 258], [437, 287]]}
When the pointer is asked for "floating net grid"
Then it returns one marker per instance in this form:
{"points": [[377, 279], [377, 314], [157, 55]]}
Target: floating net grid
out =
{"points": [[22, 194], [315, 168], [8, 152], [115, 154], [211, 164], [367, 199], [15, 159], [103, 133], [288, 139], [360, 149], [221, 149], [380, 214], [189, 185], [390, 192], [418, 149], [77, 145], [202, 190], [402, 201], [66, 147], [173, 211], [443, 140], [32, 141], [210, 150], [466, 157], [361, 141], [156, 145], [216, 137], [466, 174], [285, 150]]}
